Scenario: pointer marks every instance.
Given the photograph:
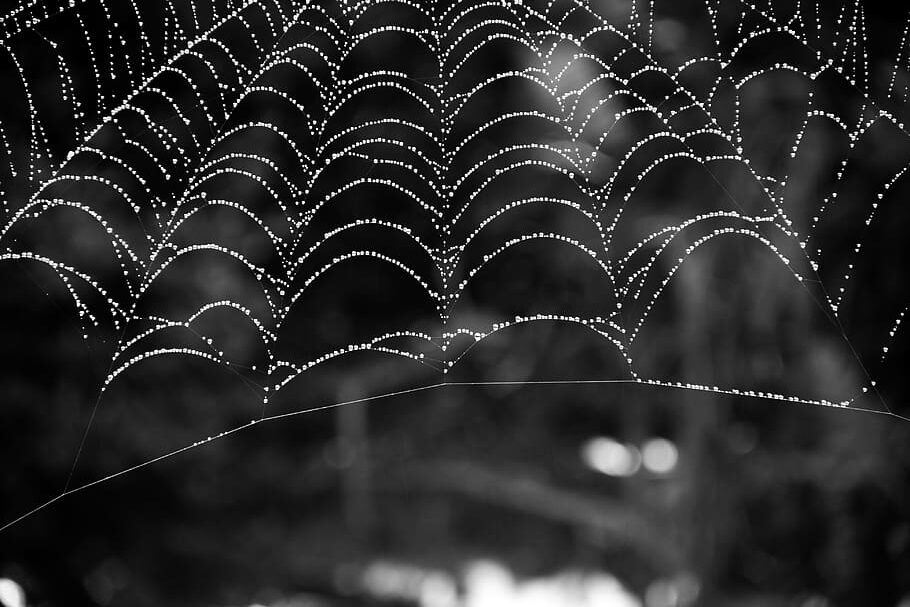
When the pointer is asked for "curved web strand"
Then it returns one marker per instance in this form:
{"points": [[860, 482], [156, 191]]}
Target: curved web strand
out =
{"points": [[282, 187]]}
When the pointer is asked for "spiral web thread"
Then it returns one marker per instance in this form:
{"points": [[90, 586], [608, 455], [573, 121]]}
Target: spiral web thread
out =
{"points": [[141, 123]]}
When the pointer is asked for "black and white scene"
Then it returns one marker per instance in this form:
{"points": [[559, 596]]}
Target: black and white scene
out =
{"points": [[454, 303]]}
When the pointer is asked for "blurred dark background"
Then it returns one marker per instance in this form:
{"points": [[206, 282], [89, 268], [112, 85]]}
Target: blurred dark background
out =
{"points": [[472, 494]]}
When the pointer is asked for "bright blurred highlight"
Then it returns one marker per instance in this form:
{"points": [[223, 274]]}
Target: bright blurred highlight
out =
{"points": [[659, 455], [489, 584], [486, 583], [396, 581], [611, 457], [11, 593]]}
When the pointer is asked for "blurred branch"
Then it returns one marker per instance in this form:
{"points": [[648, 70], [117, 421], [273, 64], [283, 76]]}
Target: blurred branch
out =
{"points": [[509, 489]]}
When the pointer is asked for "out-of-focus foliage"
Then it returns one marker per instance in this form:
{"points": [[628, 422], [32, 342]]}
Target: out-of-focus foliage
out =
{"points": [[770, 504]]}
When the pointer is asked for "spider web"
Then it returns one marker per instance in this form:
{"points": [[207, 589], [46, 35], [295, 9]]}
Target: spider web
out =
{"points": [[226, 181]]}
